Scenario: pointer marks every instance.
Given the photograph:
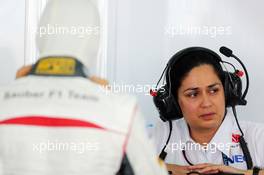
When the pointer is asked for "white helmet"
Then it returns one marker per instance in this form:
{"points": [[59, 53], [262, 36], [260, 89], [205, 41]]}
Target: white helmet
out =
{"points": [[70, 28]]}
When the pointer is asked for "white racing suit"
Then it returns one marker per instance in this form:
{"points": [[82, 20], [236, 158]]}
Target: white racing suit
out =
{"points": [[71, 126]]}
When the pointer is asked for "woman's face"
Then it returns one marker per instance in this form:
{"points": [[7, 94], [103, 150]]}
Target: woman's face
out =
{"points": [[201, 98]]}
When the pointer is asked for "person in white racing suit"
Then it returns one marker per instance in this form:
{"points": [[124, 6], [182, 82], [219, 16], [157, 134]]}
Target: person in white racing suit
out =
{"points": [[57, 121]]}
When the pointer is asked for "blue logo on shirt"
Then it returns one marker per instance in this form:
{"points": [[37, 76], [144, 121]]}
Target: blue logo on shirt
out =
{"points": [[234, 159]]}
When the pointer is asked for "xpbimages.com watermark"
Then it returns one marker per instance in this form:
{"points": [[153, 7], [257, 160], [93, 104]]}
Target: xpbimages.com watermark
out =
{"points": [[117, 88], [56, 29], [211, 31], [191, 146], [56, 146]]}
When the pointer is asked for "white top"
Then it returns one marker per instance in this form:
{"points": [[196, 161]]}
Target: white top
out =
{"points": [[224, 141], [53, 125]]}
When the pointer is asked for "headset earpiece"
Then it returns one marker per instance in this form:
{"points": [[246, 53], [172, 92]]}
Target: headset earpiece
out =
{"points": [[168, 108], [233, 89]]}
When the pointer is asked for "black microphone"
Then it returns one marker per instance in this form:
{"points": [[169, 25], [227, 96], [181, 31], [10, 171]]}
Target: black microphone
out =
{"points": [[225, 51], [229, 53]]}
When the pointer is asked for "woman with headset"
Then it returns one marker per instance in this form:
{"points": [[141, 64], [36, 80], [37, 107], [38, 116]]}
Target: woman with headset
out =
{"points": [[201, 133]]}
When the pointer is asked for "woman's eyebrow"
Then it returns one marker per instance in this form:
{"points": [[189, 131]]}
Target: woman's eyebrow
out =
{"points": [[191, 89], [213, 85], [196, 88]]}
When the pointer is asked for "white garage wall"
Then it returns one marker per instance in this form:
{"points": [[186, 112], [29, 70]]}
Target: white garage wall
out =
{"points": [[11, 38], [140, 49], [33, 11], [144, 45]]}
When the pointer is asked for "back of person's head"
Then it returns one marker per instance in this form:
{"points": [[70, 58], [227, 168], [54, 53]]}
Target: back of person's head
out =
{"points": [[70, 28], [181, 68]]}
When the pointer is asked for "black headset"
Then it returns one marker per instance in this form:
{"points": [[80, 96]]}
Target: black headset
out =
{"points": [[167, 105], [169, 108]]}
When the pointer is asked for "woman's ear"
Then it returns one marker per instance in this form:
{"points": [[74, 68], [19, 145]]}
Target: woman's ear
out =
{"points": [[23, 71]]}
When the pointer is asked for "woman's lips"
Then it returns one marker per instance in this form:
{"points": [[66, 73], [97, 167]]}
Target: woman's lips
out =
{"points": [[207, 116]]}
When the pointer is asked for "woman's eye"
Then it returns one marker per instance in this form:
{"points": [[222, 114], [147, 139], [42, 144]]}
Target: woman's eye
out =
{"points": [[192, 94], [213, 91]]}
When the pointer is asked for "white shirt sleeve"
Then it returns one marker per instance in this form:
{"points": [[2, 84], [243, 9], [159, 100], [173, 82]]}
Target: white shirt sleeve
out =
{"points": [[254, 136], [140, 151], [160, 135]]}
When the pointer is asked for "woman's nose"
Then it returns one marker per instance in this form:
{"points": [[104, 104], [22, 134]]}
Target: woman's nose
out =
{"points": [[206, 100]]}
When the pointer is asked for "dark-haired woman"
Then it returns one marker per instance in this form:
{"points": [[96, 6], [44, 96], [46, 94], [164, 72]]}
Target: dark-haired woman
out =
{"points": [[207, 138]]}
